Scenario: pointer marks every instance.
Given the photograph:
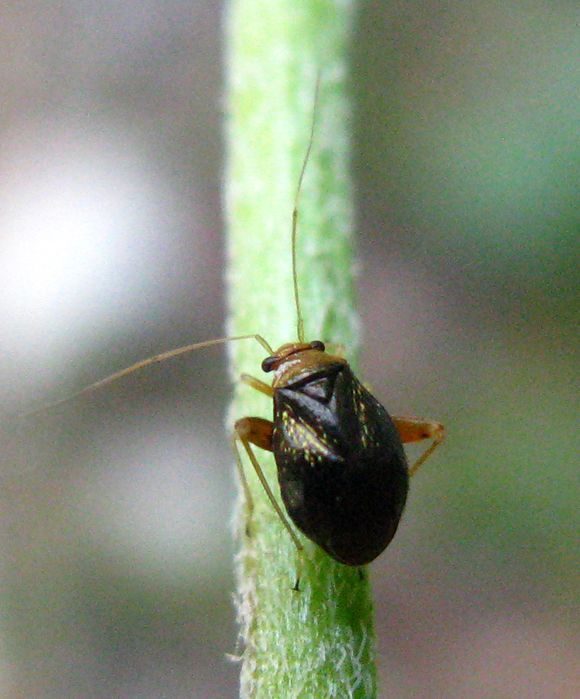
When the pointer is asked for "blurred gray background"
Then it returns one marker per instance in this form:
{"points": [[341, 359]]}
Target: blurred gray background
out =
{"points": [[116, 555]]}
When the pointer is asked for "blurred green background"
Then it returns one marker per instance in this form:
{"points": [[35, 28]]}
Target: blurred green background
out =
{"points": [[116, 553]]}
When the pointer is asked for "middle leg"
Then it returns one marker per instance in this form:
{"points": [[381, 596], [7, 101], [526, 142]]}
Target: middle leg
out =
{"points": [[257, 431]]}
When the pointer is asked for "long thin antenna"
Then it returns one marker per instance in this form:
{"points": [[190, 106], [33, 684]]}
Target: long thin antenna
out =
{"points": [[147, 362], [299, 319]]}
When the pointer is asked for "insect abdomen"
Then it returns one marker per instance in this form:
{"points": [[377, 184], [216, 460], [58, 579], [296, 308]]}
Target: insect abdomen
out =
{"points": [[341, 466]]}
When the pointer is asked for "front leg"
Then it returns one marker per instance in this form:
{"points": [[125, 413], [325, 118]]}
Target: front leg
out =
{"points": [[258, 385], [414, 429]]}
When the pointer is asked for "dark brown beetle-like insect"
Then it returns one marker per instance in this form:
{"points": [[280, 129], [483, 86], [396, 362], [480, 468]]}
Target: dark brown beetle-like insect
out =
{"points": [[342, 469]]}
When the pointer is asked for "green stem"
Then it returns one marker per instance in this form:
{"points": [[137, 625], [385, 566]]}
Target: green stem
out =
{"points": [[318, 642]]}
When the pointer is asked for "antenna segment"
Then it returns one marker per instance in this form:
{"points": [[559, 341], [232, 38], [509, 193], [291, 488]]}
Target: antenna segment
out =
{"points": [[299, 319], [147, 362]]}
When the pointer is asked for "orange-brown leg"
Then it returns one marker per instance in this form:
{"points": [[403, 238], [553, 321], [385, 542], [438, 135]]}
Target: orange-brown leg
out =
{"points": [[414, 429], [337, 349], [257, 431], [258, 385]]}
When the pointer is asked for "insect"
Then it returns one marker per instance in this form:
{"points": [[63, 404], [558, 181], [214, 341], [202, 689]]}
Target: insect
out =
{"points": [[342, 469]]}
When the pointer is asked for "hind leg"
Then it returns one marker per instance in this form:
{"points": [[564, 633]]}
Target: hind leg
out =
{"points": [[414, 429]]}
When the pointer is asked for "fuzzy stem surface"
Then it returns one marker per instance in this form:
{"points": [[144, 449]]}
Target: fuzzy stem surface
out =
{"points": [[318, 642]]}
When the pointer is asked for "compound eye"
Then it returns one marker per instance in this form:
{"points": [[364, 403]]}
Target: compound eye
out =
{"points": [[268, 364], [317, 345]]}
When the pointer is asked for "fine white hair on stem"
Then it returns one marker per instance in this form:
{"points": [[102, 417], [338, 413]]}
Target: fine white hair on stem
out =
{"points": [[319, 641]]}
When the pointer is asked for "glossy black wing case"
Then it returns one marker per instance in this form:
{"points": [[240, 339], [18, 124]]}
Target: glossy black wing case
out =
{"points": [[341, 466]]}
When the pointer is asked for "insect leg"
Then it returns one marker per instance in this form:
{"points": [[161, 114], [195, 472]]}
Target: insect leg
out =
{"points": [[336, 348], [257, 384], [257, 431], [414, 429], [243, 480]]}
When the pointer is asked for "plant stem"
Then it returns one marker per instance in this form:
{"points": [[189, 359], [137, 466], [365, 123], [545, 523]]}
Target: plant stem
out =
{"points": [[317, 642]]}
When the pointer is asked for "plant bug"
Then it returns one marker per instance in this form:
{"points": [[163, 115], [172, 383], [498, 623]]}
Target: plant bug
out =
{"points": [[342, 469]]}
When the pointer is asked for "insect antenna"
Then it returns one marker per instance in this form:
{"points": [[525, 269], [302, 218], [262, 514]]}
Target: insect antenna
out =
{"points": [[299, 319], [156, 359]]}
